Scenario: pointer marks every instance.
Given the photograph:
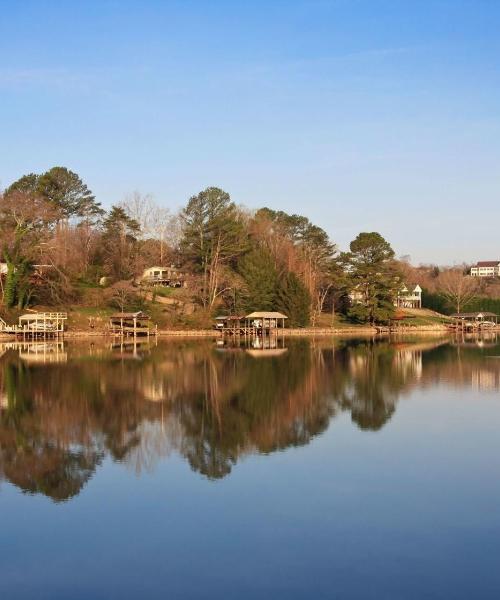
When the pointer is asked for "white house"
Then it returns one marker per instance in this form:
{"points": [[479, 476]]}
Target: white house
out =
{"points": [[486, 268], [409, 298], [168, 276], [406, 297]]}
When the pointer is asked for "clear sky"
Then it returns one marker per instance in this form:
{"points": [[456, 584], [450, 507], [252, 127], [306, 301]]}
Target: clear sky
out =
{"points": [[360, 114]]}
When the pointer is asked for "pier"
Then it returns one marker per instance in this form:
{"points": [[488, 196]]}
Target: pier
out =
{"points": [[131, 325], [37, 325], [474, 321], [254, 324]]}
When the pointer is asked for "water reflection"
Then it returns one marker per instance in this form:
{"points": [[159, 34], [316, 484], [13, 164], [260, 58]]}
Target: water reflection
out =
{"points": [[65, 407]]}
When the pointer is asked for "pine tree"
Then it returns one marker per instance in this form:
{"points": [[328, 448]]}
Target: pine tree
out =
{"points": [[294, 300], [213, 238], [68, 193], [119, 243], [373, 277], [63, 189], [261, 280]]}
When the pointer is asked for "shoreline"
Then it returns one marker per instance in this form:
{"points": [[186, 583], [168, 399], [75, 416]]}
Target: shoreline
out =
{"points": [[306, 332]]}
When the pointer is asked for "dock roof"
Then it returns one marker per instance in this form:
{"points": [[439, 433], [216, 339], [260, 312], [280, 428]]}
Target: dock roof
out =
{"points": [[266, 315], [473, 315], [130, 315], [229, 318]]}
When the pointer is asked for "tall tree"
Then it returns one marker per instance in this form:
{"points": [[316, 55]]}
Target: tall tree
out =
{"points": [[458, 288], [119, 237], [294, 300], [27, 184], [213, 237], [156, 222], [24, 226], [374, 278], [261, 280], [301, 247], [66, 191]]}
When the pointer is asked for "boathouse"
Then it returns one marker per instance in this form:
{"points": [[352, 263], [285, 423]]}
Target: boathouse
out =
{"points": [[474, 320], [253, 324], [266, 321], [230, 324], [131, 324], [37, 325]]}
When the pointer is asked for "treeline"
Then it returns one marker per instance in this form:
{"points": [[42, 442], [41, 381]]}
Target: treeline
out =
{"points": [[58, 243], [440, 303], [449, 290]]}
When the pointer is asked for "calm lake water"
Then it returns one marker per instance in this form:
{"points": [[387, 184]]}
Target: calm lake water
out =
{"points": [[313, 469]]}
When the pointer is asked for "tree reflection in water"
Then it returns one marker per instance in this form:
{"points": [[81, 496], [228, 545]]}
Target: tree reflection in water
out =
{"points": [[60, 417]]}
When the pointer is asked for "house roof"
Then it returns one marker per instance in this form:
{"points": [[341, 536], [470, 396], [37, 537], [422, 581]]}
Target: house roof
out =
{"points": [[266, 315], [410, 288], [488, 263]]}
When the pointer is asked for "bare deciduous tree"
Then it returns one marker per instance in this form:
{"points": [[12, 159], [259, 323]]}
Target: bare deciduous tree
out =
{"points": [[156, 222], [120, 294], [457, 287]]}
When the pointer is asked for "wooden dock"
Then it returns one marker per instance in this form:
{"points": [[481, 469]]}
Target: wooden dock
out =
{"points": [[37, 325], [474, 321], [254, 324], [131, 325]]}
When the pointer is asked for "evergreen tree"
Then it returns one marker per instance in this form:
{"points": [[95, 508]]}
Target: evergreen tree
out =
{"points": [[294, 300], [67, 192], [119, 243], [213, 237], [261, 280], [374, 278], [27, 184], [63, 189]]}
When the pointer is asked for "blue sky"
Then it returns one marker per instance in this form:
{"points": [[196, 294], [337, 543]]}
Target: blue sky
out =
{"points": [[361, 114]]}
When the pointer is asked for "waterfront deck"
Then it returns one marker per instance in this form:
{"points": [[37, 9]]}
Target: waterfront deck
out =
{"points": [[254, 324], [131, 325], [474, 321], [43, 325]]}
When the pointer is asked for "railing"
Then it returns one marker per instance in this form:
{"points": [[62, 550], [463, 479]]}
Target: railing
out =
{"points": [[47, 316]]}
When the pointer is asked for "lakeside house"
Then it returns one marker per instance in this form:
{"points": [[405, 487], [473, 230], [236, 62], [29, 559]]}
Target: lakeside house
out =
{"points": [[409, 297], [167, 276], [486, 268], [406, 297], [266, 320]]}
